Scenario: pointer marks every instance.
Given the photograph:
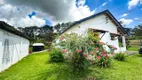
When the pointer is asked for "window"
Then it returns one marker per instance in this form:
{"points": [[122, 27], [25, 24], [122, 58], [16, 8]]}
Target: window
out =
{"points": [[113, 38]]}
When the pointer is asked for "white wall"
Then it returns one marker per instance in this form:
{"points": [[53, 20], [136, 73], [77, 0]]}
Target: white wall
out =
{"points": [[122, 49], [107, 39], [101, 23], [18, 48], [98, 22]]}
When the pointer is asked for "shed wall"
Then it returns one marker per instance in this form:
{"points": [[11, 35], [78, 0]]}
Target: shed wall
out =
{"points": [[15, 46]]}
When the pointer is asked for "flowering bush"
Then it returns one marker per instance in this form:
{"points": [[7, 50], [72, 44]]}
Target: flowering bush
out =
{"points": [[56, 55], [82, 50], [112, 47], [103, 59]]}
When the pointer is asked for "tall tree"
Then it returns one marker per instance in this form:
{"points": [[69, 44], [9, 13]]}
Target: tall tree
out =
{"points": [[59, 28], [35, 32], [138, 30]]}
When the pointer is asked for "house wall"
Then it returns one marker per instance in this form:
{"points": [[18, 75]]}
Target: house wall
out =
{"points": [[99, 22], [107, 39], [18, 48]]}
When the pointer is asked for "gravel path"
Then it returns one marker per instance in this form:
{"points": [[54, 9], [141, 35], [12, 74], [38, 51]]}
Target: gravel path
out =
{"points": [[131, 52]]}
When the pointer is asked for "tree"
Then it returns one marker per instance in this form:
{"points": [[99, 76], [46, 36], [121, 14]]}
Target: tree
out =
{"points": [[122, 23], [36, 33], [138, 30], [59, 28], [31, 32]]}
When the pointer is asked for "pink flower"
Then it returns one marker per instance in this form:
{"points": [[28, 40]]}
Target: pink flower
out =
{"points": [[92, 53], [62, 37], [104, 54], [64, 51], [91, 42], [101, 43], [98, 57], [85, 55], [78, 51], [114, 48], [96, 48]]}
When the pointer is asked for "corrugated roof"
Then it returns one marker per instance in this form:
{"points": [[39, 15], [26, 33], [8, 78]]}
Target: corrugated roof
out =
{"points": [[7, 27], [38, 44]]}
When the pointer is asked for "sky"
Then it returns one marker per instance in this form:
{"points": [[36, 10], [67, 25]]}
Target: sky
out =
{"points": [[24, 13]]}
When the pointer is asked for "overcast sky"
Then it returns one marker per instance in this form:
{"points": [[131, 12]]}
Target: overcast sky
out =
{"points": [[22, 13]]}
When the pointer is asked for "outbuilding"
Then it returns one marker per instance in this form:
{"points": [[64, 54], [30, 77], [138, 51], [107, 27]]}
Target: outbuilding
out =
{"points": [[13, 45], [38, 47]]}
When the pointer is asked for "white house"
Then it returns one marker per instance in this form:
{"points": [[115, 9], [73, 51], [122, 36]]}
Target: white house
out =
{"points": [[111, 31], [13, 46]]}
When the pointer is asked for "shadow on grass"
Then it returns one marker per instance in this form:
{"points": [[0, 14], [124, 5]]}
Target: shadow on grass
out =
{"points": [[139, 55], [62, 72]]}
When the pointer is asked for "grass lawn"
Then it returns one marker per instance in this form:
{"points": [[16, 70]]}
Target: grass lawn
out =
{"points": [[134, 48], [38, 67]]}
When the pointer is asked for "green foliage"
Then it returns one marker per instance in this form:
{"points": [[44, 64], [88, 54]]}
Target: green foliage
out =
{"points": [[75, 46], [79, 62], [120, 56], [127, 44], [134, 48], [39, 68], [104, 62], [120, 44], [37, 34], [56, 55], [61, 27], [84, 50], [138, 30], [135, 37]]}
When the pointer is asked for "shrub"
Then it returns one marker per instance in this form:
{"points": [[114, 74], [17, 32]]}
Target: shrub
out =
{"points": [[120, 56], [84, 50], [79, 62], [56, 55], [103, 60]]}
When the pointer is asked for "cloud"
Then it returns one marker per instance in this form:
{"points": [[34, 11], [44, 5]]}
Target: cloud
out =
{"points": [[136, 18], [81, 2], [81, 12], [19, 17], [34, 21], [132, 3], [25, 22], [15, 15], [1, 2], [124, 15], [104, 4], [17, 11], [126, 21], [56, 8]]}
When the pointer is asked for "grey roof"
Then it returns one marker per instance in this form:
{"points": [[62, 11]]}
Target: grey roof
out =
{"points": [[11, 29], [107, 12]]}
